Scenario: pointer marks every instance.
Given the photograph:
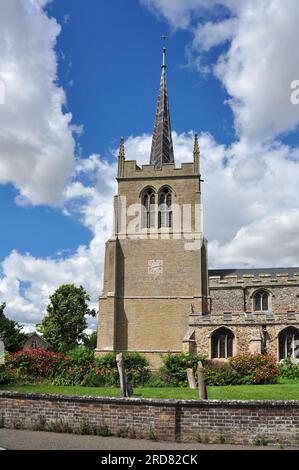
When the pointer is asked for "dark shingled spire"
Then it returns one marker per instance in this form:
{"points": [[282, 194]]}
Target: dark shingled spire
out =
{"points": [[162, 148]]}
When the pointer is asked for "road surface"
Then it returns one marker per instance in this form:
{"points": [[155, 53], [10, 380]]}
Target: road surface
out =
{"points": [[35, 440]]}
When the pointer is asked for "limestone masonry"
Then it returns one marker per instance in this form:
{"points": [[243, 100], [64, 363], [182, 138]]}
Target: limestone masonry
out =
{"points": [[158, 295]]}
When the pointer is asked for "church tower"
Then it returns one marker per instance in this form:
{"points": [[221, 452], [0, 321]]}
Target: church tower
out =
{"points": [[155, 273]]}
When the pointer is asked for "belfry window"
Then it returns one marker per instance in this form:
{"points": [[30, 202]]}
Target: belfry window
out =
{"points": [[261, 301], [149, 205], [222, 343], [289, 343], [165, 208]]}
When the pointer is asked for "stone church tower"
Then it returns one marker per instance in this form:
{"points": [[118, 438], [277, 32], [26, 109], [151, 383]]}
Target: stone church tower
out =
{"points": [[156, 272]]}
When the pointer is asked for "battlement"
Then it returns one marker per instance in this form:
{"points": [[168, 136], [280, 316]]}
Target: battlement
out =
{"points": [[245, 278], [132, 170]]}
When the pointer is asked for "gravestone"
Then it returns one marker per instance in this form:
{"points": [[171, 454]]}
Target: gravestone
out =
{"points": [[201, 382], [126, 388], [191, 378], [2, 350]]}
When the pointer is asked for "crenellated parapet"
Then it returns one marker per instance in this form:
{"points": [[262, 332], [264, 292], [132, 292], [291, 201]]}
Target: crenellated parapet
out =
{"points": [[258, 279], [132, 170]]}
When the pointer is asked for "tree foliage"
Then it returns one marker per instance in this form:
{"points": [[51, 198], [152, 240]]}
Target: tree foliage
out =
{"points": [[90, 341], [10, 332], [64, 324]]}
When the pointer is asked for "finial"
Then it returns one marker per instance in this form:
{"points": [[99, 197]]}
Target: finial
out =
{"points": [[164, 37], [122, 148], [196, 153], [121, 158], [196, 145]]}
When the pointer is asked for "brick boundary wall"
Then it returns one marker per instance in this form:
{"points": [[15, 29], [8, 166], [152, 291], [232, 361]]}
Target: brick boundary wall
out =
{"points": [[238, 422]]}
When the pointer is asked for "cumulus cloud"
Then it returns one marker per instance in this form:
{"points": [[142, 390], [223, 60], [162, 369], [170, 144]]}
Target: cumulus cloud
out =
{"points": [[247, 210], [246, 214], [259, 65], [251, 190], [36, 141], [250, 193], [27, 281]]}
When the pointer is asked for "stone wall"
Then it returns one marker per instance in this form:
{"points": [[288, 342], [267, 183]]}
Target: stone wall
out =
{"points": [[245, 333], [151, 278], [235, 293], [239, 422]]}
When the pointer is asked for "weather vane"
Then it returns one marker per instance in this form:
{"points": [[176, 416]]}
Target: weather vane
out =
{"points": [[164, 37]]}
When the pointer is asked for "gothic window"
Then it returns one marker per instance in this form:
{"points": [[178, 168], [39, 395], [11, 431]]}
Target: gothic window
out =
{"points": [[149, 206], [33, 344], [289, 343], [222, 343], [261, 301], [165, 208]]}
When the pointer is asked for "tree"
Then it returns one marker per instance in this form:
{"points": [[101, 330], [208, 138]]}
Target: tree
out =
{"points": [[64, 324], [90, 341], [11, 333]]}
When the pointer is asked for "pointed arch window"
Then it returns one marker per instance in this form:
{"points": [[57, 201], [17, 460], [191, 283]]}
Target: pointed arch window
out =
{"points": [[165, 208], [261, 301], [222, 343], [288, 340], [149, 208]]}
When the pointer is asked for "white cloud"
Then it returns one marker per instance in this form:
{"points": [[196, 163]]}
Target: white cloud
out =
{"points": [[247, 212], [250, 193], [261, 61], [251, 189], [36, 142], [247, 209], [177, 12], [27, 281]]}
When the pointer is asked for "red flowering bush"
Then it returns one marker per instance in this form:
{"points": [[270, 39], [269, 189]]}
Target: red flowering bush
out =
{"points": [[78, 368], [35, 364], [255, 368]]}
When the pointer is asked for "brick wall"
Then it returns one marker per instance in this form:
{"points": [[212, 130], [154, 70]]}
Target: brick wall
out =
{"points": [[213, 421]]}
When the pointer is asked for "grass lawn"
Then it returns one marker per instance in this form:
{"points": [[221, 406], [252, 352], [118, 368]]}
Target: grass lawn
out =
{"points": [[285, 390]]}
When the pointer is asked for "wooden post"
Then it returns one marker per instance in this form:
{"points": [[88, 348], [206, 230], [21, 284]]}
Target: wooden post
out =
{"points": [[191, 379], [201, 382]]}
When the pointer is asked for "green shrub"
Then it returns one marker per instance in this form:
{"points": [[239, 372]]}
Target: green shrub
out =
{"points": [[85, 429], [239, 370], [173, 371], [103, 430], [107, 365], [93, 379], [80, 354], [77, 368], [156, 381], [255, 368], [136, 367], [288, 369], [59, 426], [7, 375], [221, 374]]}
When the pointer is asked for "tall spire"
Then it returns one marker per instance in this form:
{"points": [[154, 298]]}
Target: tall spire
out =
{"points": [[162, 148]]}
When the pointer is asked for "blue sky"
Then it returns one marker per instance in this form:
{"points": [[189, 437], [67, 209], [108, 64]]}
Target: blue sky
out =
{"points": [[109, 57], [80, 74]]}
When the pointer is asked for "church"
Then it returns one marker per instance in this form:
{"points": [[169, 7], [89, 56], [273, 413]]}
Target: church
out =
{"points": [[158, 295]]}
